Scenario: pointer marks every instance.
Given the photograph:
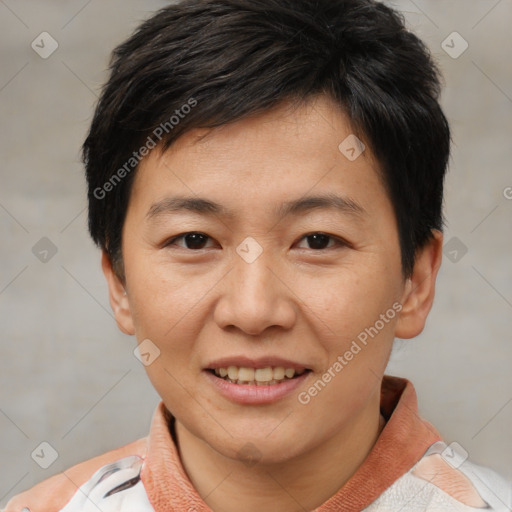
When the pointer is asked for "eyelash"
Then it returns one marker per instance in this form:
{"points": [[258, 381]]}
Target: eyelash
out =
{"points": [[338, 241]]}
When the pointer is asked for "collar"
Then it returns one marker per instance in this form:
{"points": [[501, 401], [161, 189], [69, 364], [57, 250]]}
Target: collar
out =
{"points": [[403, 441]]}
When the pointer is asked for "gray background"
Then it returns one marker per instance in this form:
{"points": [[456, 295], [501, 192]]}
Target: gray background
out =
{"points": [[69, 377]]}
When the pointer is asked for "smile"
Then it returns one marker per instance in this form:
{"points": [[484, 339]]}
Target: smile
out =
{"points": [[257, 385], [267, 376]]}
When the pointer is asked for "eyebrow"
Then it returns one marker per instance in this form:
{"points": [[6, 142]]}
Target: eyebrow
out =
{"points": [[203, 206]]}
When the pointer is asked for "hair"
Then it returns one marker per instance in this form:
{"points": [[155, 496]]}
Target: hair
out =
{"points": [[206, 63]]}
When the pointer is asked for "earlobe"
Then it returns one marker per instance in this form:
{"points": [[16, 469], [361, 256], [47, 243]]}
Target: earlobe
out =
{"points": [[419, 290], [118, 297]]}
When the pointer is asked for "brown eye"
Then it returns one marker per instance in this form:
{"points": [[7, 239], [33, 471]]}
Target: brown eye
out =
{"points": [[193, 241], [320, 241]]}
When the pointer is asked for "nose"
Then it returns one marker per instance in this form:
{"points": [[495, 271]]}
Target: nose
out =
{"points": [[254, 297]]}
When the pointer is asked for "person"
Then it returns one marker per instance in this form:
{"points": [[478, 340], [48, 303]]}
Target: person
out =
{"points": [[265, 182]]}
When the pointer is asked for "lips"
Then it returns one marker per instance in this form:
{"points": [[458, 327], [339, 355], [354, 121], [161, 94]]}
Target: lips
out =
{"points": [[252, 381], [256, 394]]}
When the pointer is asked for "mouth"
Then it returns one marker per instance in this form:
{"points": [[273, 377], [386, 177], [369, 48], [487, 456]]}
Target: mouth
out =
{"points": [[266, 376], [256, 381]]}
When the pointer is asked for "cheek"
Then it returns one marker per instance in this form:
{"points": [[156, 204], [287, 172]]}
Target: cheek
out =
{"points": [[165, 308], [166, 312], [347, 303], [162, 298]]}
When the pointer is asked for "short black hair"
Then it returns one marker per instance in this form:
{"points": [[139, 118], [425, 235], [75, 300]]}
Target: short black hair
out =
{"points": [[206, 63]]}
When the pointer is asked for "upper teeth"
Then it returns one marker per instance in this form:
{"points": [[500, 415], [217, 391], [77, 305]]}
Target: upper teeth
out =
{"points": [[268, 375]]}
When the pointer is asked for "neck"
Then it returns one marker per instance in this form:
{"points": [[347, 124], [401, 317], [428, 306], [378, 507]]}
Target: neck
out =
{"points": [[305, 482]]}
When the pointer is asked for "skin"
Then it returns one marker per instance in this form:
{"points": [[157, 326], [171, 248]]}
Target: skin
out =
{"points": [[295, 301]]}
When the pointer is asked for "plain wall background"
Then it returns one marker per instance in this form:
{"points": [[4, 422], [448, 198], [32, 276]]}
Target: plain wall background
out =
{"points": [[69, 377]]}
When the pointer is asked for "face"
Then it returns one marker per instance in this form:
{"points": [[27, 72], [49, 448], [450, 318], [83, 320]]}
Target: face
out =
{"points": [[261, 250]]}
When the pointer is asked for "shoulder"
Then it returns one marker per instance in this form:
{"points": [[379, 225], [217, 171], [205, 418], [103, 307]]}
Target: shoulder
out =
{"points": [[444, 479], [449, 469], [53, 494]]}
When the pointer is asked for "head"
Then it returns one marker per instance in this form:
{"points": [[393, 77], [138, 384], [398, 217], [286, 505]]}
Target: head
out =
{"points": [[292, 140]]}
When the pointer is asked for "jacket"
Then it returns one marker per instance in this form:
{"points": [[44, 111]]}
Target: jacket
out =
{"points": [[410, 468]]}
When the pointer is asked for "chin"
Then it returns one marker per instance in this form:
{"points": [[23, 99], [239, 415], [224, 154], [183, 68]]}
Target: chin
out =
{"points": [[255, 448]]}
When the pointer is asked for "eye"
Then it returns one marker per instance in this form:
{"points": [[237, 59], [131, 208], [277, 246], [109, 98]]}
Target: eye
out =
{"points": [[320, 241], [317, 241], [193, 240]]}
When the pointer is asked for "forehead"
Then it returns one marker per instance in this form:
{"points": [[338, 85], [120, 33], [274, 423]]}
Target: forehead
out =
{"points": [[266, 162]]}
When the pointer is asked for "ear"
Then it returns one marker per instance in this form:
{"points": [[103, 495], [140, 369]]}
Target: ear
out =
{"points": [[419, 291], [118, 297]]}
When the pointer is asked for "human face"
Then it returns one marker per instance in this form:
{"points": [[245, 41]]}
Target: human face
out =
{"points": [[213, 300]]}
